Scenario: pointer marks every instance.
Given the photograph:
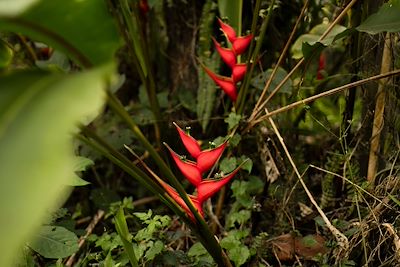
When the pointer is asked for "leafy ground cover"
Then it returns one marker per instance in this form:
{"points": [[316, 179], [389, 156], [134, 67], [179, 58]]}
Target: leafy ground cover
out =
{"points": [[199, 133]]}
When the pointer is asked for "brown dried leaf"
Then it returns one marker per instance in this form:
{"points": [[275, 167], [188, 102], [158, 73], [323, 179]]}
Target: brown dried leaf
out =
{"points": [[310, 246]]}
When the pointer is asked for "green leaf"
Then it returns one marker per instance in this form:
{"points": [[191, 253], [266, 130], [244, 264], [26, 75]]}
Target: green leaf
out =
{"points": [[6, 54], [237, 252], [235, 140], [232, 9], [241, 217], [126, 238], [38, 114], [248, 165], [206, 92], [54, 242], [77, 181], [312, 37], [233, 120], [197, 250], [260, 80], [155, 249], [394, 199], [227, 165], [14, 7], [387, 19], [83, 30], [80, 164]]}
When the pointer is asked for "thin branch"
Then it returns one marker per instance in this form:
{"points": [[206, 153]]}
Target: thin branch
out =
{"points": [[281, 57], [301, 61], [340, 238], [324, 94], [89, 229]]}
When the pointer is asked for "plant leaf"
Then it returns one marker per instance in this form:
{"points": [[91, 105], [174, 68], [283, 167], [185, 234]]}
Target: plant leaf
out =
{"points": [[13, 7], [6, 55], [232, 9], [83, 30], [260, 80], [38, 113], [387, 19], [54, 242], [312, 37]]}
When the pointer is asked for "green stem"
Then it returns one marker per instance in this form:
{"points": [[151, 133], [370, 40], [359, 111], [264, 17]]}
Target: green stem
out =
{"points": [[137, 43], [124, 163], [254, 53]]}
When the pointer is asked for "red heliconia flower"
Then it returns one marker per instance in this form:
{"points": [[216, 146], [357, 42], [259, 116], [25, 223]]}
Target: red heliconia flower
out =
{"points": [[226, 83], [227, 55], [175, 196], [188, 168], [208, 188], [205, 159], [241, 43], [238, 72], [228, 31]]}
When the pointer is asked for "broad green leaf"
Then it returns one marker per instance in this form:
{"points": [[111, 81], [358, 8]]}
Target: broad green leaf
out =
{"points": [[38, 114], [387, 19], [312, 37], [80, 164], [206, 90], [237, 252], [54, 242], [227, 165], [13, 7], [232, 10], [233, 120], [83, 30], [77, 181], [156, 248], [6, 54], [260, 80]]}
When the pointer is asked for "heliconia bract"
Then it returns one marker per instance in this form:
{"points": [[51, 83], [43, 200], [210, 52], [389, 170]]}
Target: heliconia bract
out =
{"points": [[229, 56], [228, 31], [226, 83], [193, 170], [191, 144], [188, 169], [208, 188], [238, 72], [241, 43]]}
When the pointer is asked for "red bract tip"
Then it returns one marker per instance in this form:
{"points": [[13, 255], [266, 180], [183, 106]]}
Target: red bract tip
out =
{"points": [[175, 196], [321, 66], [191, 144], [208, 158], [241, 43], [188, 169], [228, 31], [238, 72], [227, 55], [225, 83], [207, 189]]}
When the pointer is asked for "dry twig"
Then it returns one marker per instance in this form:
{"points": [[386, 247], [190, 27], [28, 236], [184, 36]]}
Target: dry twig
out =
{"points": [[340, 238]]}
